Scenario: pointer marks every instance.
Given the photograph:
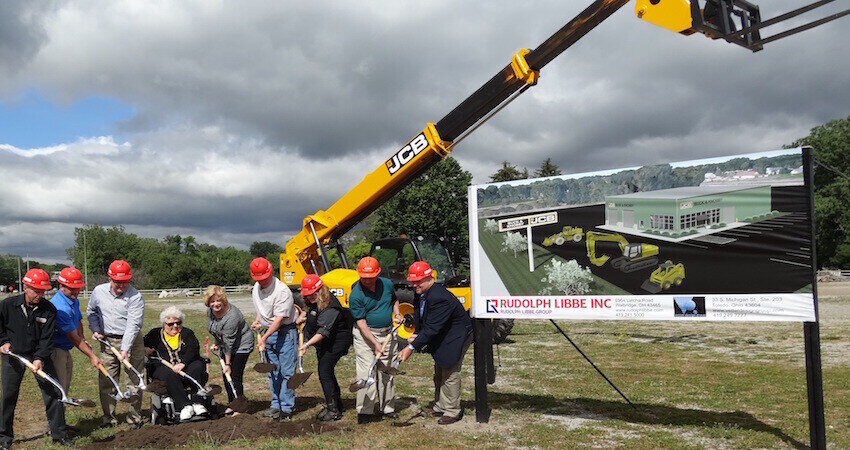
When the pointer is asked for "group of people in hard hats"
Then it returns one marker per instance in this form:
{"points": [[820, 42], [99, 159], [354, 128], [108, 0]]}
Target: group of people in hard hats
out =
{"points": [[45, 332]]}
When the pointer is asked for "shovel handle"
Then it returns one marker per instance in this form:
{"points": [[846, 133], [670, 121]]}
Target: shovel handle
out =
{"points": [[226, 375], [102, 369], [171, 366], [117, 354]]}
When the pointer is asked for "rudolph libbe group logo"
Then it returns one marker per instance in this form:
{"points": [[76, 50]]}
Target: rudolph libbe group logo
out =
{"points": [[491, 306], [406, 154]]}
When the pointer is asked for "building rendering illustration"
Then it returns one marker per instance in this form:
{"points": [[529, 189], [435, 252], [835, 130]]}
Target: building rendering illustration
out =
{"points": [[684, 209]]}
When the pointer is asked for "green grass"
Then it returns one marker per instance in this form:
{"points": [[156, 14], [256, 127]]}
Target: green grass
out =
{"points": [[695, 385], [513, 270]]}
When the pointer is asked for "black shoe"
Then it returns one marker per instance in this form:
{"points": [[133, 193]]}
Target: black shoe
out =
{"points": [[331, 415], [272, 413], [285, 416], [363, 418], [65, 442], [390, 415], [446, 420]]}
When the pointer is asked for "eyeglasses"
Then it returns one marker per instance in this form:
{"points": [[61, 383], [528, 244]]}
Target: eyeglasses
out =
{"points": [[174, 324]]}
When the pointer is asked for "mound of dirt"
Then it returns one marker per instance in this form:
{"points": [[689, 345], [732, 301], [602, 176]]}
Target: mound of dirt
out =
{"points": [[218, 431]]}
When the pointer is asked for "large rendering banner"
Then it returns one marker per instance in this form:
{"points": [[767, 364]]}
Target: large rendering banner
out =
{"points": [[714, 239]]}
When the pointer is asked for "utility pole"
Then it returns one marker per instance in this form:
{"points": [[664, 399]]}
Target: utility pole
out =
{"points": [[28, 262]]}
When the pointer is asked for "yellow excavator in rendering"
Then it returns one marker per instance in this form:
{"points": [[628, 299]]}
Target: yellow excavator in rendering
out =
{"points": [[635, 256], [735, 21]]}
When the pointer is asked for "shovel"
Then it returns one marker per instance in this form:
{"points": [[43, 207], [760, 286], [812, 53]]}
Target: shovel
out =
{"points": [[297, 379], [239, 403], [141, 385], [65, 399], [263, 366], [370, 378], [202, 391], [125, 397]]}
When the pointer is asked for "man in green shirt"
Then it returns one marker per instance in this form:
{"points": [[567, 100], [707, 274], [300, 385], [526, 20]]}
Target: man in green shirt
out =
{"points": [[372, 304]]}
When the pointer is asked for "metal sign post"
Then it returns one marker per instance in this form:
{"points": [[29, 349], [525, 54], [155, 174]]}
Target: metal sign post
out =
{"points": [[811, 330], [533, 220]]}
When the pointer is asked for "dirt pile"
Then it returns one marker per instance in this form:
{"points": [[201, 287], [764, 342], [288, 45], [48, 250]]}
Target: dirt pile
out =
{"points": [[216, 432]]}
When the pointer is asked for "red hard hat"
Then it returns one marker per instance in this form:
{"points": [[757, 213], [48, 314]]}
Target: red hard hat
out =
{"points": [[70, 277], [37, 279], [310, 284], [261, 269], [368, 267], [419, 271], [119, 270]]}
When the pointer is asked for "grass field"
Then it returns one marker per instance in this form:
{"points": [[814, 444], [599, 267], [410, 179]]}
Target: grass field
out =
{"points": [[513, 270], [695, 385]]}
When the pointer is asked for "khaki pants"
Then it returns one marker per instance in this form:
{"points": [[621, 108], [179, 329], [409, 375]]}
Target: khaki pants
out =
{"points": [[383, 391], [64, 364], [114, 367], [447, 385]]}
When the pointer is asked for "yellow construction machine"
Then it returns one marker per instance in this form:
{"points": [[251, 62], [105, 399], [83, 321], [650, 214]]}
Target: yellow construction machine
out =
{"points": [[735, 21], [665, 276], [635, 256], [568, 233]]}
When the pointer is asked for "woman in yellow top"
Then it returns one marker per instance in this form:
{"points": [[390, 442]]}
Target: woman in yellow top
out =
{"points": [[180, 347]]}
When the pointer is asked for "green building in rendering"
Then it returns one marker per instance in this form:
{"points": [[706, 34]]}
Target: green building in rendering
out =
{"points": [[686, 208]]}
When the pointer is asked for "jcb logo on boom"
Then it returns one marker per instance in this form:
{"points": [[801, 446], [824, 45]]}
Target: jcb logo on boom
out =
{"points": [[337, 292], [407, 153]]}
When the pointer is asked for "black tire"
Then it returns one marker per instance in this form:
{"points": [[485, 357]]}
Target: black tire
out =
{"points": [[502, 329]]}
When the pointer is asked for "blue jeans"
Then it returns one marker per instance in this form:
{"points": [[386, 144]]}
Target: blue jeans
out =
{"points": [[282, 351]]}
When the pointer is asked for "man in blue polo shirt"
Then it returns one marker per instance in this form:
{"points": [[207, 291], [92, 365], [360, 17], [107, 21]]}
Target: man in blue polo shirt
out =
{"points": [[69, 326], [372, 304]]}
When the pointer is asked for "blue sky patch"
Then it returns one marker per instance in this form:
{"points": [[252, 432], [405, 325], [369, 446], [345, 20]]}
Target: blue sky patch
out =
{"points": [[31, 121]]}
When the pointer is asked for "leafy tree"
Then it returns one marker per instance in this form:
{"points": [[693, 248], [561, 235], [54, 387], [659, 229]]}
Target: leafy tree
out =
{"points": [[434, 205], [263, 248], [514, 242], [831, 143], [567, 278], [547, 169], [508, 172]]}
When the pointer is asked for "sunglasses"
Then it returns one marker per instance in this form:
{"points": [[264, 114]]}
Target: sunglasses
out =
{"points": [[174, 324]]}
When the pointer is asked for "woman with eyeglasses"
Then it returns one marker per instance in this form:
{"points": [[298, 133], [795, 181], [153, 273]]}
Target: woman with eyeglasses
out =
{"points": [[330, 325], [180, 347], [233, 338]]}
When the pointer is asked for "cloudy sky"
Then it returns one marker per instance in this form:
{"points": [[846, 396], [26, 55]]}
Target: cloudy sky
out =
{"points": [[231, 120]]}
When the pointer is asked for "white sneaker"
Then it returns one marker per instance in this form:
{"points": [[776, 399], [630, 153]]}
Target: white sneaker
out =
{"points": [[187, 412], [199, 409]]}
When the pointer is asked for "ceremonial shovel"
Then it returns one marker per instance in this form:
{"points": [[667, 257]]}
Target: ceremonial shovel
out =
{"points": [[239, 404], [202, 391], [263, 366], [65, 399], [141, 385], [370, 378], [126, 397], [297, 379]]}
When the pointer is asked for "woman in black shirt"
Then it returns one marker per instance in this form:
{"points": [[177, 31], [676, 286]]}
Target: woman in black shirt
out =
{"points": [[330, 325]]}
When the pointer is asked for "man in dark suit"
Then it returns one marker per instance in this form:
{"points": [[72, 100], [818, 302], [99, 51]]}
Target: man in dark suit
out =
{"points": [[444, 331]]}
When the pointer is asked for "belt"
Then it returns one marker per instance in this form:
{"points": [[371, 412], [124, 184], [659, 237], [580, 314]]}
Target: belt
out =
{"points": [[114, 336]]}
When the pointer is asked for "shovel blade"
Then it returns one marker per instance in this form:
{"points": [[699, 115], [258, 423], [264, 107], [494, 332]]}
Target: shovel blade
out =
{"points": [[84, 402], [239, 404], [356, 386], [264, 367], [129, 398], [297, 379], [389, 370]]}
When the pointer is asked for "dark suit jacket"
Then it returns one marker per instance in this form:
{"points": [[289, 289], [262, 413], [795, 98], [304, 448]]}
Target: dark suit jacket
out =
{"points": [[443, 327]]}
